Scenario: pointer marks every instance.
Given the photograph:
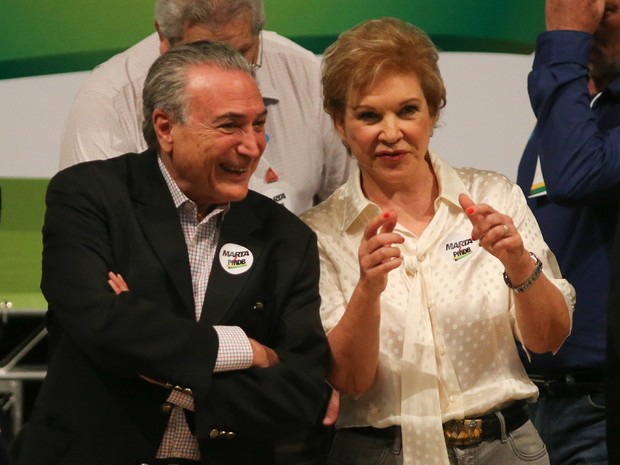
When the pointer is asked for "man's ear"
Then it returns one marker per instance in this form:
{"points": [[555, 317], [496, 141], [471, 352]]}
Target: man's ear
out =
{"points": [[163, 129], [164, 45]]}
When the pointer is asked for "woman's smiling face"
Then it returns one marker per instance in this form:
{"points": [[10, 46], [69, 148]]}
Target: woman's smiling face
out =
{"points": [[387, 127]]}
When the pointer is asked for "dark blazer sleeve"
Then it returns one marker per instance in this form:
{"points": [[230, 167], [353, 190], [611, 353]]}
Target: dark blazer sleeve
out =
{"points": [[266, 403], [92, 226]]}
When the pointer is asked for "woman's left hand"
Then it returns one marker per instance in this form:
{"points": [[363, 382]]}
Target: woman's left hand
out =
{"points": [[495, 232], [542, 315]]}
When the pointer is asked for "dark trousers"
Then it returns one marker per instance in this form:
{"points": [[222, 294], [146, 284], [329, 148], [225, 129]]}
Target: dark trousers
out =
{"points": [[612, 399], [4, 456], [309, 448]]}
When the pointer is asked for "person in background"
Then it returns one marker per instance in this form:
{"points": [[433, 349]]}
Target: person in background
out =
{"points": [[183, 309], [303, 163], [570, 172], [428, 273]]}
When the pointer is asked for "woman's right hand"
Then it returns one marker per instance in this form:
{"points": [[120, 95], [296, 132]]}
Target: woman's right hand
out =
{"points": [[354, 341], [377, 254]]}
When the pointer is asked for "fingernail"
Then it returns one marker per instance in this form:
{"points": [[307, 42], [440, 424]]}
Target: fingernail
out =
{"points": [[470, 210], [386, 215]]}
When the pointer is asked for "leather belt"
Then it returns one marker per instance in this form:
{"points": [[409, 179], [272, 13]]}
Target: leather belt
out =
{"points": [[471, 431], [575, 384]]}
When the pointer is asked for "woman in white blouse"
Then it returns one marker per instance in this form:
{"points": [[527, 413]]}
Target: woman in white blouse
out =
{"points": [[430, 274]]}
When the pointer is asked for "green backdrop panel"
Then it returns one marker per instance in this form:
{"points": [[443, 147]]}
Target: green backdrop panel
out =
{"points": [[57, 36], [21, 220]]}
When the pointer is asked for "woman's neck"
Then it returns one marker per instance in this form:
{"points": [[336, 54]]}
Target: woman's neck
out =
{"points": [[413, 199]]}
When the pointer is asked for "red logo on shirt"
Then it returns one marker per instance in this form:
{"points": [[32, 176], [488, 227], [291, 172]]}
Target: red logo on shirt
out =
{"points": [[271, 176]]}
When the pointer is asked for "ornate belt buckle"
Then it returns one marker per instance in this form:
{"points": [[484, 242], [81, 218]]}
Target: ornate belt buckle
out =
{"points": [[463, 432]]}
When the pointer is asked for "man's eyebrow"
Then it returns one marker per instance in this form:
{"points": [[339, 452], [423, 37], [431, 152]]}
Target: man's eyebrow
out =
{"points": [[228, 116], [236, 116]]}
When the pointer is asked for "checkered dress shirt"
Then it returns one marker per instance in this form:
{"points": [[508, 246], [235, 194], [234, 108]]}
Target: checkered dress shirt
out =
{"points": [[234, 351]]}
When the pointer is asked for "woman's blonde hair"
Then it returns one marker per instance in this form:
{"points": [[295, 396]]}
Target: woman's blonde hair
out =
{"points": [[373, 48]]}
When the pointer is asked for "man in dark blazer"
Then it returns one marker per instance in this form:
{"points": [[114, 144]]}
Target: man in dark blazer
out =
{"points": [[213, 348]]}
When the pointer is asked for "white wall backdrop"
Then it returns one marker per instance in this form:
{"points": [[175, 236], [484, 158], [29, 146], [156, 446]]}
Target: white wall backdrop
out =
{"points": [[32, 114], [488, 118], [486, 123]]}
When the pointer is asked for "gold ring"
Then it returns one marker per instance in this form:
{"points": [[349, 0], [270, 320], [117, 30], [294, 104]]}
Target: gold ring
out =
{"points": [[505, 230]]}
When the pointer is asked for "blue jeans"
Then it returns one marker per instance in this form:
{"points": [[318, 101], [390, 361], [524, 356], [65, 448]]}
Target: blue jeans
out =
{"points": [[573, 428]]}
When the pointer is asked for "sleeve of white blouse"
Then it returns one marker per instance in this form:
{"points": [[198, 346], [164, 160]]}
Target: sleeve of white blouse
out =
{"points": [[332, 300], [337, 258]]}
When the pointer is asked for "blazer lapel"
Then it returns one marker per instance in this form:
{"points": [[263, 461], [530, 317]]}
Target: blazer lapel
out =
{"points": [[160, 222], [229, 273]]}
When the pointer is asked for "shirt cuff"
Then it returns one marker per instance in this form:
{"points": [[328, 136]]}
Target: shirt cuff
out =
{"points": [[553, 47], [235, 351], [181, 399]]}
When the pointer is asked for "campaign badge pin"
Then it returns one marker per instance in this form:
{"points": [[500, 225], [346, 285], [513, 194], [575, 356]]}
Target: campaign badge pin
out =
{"points": [[235, 259], [458, 248]]}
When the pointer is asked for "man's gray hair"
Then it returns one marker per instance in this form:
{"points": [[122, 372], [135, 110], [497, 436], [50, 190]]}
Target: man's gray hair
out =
{"points": [[172, 15], [166, 81]]}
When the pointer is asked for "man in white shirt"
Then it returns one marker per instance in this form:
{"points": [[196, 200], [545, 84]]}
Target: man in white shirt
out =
{"points": [[304, 160]]}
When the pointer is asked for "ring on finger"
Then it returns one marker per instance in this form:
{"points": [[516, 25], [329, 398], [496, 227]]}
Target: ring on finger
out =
{"points": [[505, 230]]}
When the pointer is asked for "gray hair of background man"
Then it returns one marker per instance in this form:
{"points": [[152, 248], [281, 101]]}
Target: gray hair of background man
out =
{"points": [[166, 81], [173, 15]]}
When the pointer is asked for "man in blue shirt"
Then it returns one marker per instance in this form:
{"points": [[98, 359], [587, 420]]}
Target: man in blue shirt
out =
{"points": [[570, 172]]}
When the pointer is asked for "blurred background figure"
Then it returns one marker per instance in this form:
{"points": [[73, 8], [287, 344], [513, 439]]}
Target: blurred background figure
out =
{"points": [[304, 161]]}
